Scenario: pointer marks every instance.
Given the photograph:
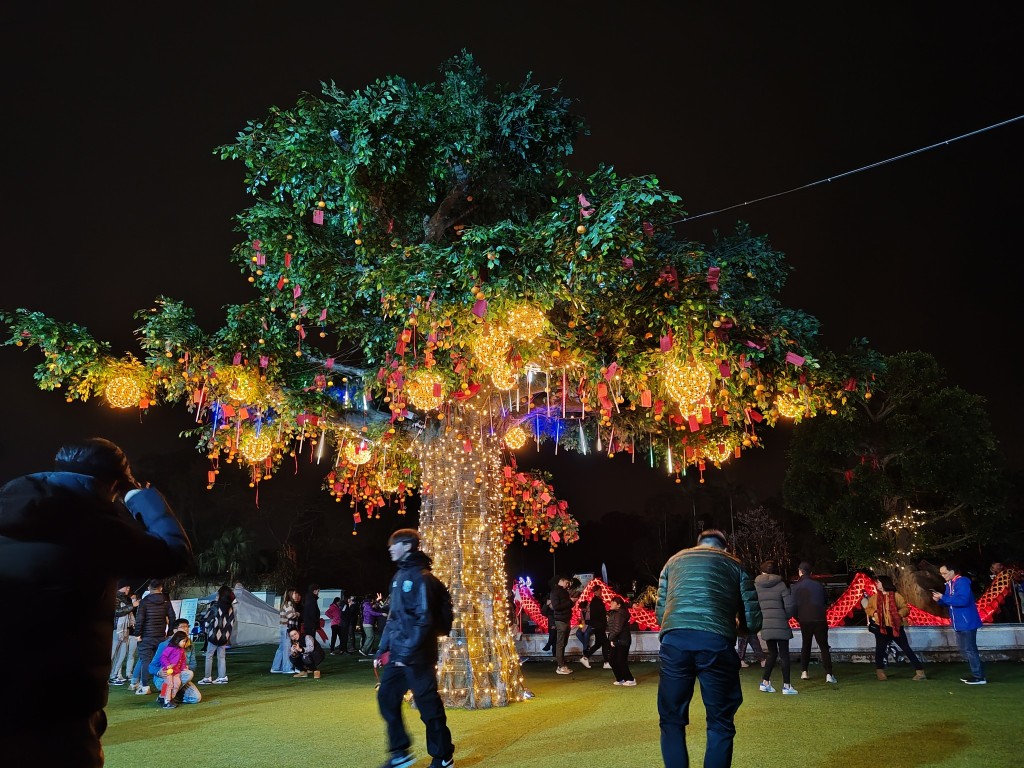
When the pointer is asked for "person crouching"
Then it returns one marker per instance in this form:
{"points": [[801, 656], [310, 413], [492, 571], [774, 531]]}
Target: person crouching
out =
{"points": [[306, 655]]}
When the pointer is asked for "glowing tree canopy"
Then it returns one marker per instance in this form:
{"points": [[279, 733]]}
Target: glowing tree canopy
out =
{"points": [[434, 288]]}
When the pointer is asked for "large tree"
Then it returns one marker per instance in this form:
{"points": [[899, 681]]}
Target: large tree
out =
{"points": [[434, 287], [914, 471]]}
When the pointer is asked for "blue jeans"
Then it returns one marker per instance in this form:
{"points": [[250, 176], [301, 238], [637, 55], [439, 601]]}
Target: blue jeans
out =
{"points": [[967, 642], [188, 691], [282, 662], [688, 655]]}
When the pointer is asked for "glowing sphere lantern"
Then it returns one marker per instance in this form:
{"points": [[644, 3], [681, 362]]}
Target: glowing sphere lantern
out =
{"points": [[526, 322], [123, 392], [515, 438], [789, 407], [503, 377], [255, 448], [687, 384], [358, 452], [421, 388]]}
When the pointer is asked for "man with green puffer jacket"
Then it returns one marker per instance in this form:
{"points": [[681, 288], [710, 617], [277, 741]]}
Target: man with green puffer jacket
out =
{"points": [[701, 592]]}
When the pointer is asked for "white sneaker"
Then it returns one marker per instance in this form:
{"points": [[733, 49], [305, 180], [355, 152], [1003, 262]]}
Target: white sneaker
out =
{"points": [[629, 683], [220, 681], [766, 687], [789, 690], [132, 685], [831, 679], [205, 681], [563, 670], [585, 661], [804, 676], [606, 665], [142, 690], [617, 682]]}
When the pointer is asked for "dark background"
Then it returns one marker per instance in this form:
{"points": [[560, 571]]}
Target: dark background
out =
{"points": [[113, 196]]}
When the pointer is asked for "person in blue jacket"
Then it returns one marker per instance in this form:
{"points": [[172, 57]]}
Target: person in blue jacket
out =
{"points": [[964, 618]]}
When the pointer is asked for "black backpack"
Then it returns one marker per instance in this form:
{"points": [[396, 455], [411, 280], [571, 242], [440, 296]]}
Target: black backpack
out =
{"points": [[444, 611]]}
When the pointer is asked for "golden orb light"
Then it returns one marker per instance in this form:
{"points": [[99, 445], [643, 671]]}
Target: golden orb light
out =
{"points": [[123, 392], [421, 386], [387, 480], [687, 384], [255, 448], [491, 348], [515, 438], [789, 406], [503, 377], [526, 322], [358, 452]]}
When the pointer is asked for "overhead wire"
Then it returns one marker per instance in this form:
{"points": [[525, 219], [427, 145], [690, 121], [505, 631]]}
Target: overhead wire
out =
{"points": [[828, 179]]}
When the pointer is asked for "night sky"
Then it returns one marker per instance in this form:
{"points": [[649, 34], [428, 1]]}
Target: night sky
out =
{"points": [[114, 195]]}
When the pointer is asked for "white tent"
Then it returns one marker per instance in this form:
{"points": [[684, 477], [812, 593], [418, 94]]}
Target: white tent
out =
{"points": [[256, 622]]}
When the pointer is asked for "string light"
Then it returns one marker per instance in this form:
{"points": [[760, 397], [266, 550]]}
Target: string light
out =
{"points": [[687, 384], [358, 452], [789, 407], [123, 392], [526, 322], [515, 437], [425, 390], [255, 448]]}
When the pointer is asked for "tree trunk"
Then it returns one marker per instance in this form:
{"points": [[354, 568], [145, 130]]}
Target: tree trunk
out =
{"points": [[460, 524]]}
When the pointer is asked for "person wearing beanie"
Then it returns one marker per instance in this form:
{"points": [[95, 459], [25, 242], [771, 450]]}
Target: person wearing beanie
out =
{"points": [[777, 607], [810, 599], [70, 534]]}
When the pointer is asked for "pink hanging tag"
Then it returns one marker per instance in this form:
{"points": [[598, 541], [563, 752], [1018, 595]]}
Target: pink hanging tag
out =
{"points": [[264, 361], [318, 216], [323, 315], [296, 291], [237, 359]]}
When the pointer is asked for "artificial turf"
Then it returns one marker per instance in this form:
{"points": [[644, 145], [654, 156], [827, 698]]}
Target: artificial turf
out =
{"points": [[262, 720]]}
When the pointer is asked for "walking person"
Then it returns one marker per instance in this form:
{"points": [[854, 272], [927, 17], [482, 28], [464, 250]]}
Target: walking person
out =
{"points": [[408, 655], [887, 609], [747, 639], [219, 627], [155, 619], [561, 613], [700, 592], [349, 609], [620, 637], [70, 534], [777, 606], [964, 618], [809, 596], [288, 619]]}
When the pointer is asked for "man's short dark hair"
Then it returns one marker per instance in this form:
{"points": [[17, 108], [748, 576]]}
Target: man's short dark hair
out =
{"points": [[99, 458], [714, 537], [405, 535], [805, 567], [155, 584]]}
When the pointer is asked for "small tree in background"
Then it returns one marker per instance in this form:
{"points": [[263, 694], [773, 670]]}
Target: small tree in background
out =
{"points": [[914, 472], [759, 537]]}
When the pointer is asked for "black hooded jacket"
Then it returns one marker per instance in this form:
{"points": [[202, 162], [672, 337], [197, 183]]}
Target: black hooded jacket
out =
{"points": [[63, 545], [409, 630]]}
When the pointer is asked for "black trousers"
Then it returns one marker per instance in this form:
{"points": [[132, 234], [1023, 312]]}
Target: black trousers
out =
{"points": [[421, 679], [619, 660], [818, 631], [882, 642], [337, 636], [600, 644]]}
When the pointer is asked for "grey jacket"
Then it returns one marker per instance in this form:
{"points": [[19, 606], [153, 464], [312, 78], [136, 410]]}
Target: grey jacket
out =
{"points": [[777, 605]]}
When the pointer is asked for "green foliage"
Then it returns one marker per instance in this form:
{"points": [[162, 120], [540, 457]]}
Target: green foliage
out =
{"points": [[917, 444]]}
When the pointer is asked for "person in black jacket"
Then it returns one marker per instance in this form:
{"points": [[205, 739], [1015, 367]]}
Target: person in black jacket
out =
{"points": [[561, 612], [598, 624], [66, 537], [407, 656], [311, 611], [155, 619], [811, 602]]}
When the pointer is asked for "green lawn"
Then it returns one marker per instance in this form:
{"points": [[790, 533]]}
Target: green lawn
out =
{"points": [[273, 721]]}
